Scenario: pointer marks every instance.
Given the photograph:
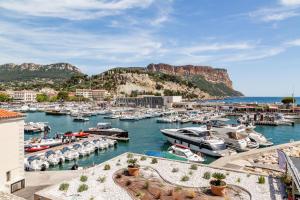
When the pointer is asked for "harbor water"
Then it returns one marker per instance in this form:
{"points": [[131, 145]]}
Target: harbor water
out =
{"points": [[144, 135]]}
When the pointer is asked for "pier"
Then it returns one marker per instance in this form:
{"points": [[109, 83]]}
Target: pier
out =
{"points": [[55, 148]]}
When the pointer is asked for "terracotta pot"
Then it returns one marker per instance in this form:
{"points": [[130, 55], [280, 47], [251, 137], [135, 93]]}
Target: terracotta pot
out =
{"points": [[133, 171], [218, 190]]}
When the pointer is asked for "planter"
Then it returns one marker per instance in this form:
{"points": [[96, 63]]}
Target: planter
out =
{"points": [[133, 171], [218, 190]]}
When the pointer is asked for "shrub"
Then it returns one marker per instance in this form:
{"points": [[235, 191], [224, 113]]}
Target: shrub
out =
{"points": [[174, 170], [82, 188], [261, 180], [118, 164], [146, 185], [64, 187], [238, 180], [154, 161], [107, 167], [130, 155], [101, 179], [83, 178], [185, 178], [218, 179], [248, 175], [194, 167], [206, 175], [143, 158], [132, 163], [190, 173]]}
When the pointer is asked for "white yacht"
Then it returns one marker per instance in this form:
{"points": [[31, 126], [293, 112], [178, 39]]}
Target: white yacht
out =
{"points": [[185, 152], [198, 139], [253, 138]]}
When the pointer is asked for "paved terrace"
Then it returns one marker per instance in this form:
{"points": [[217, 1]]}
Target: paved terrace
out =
{"points": [[239, 160], [108, 190]]}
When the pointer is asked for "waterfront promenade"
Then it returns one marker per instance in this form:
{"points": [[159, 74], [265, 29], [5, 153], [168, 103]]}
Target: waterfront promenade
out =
{"points": [[263, 160]]}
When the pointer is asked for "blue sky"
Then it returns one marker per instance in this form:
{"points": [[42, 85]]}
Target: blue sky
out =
{"points": [[258, 41]]}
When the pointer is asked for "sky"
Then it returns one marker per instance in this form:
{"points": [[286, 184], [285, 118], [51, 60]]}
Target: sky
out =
{"points": [[257, 41]]}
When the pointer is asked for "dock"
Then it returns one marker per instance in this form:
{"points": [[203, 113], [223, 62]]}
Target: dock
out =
{"points": [[55, 148]]}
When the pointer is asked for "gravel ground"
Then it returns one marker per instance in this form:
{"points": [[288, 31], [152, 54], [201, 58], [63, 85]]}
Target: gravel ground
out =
{"points": [[108, 190]]}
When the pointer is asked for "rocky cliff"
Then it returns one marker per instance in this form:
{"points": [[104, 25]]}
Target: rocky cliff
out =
{"points": [[213, 75], [31, 71]]}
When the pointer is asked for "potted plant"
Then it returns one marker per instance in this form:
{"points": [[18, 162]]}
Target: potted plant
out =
{"points": [[133, 167], [217, 185]]}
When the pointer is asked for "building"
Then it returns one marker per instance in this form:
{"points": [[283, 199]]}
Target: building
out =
{"points": [[86, 93], [148, 101], [96, 95], [24, 95], [170, 100], [49, 92], [99, 95], [12, 176]]}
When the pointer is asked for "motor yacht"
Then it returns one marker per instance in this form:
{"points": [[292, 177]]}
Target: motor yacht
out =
{"points": [[198, 139], [253, 138], [185, 152]]}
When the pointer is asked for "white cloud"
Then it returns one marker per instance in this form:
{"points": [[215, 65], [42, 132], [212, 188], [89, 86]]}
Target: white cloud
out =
{"points": [[290, 2], [293, 42], [72, 9], [274, 14], [217, 47]]}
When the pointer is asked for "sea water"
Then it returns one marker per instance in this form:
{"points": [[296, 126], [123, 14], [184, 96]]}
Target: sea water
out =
{"points": [[144, 135]]}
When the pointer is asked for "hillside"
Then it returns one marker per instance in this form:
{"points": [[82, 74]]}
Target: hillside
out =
{"points": [[159, 81], [31, 72]]}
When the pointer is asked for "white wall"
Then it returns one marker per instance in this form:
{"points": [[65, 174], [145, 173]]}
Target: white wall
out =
{"points": [[11, 151]]}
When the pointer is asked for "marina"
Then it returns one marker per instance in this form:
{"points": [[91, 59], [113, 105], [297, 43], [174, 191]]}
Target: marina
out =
{"points": [[142, 138]]}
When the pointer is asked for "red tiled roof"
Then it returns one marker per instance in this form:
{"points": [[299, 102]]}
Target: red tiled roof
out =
{"points": [[9, 114]]}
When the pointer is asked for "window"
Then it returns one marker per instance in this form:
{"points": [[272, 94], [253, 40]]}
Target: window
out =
{"points": [[8, 176]]}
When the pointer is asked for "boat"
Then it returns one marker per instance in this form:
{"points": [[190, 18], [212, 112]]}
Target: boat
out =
{"points": [[80, 149], [164, 154], [55, 112], [35, 163], [52, 158], [36, 127], [42, 142], [105, 129], [198, 139], [185, 152], [80, 134], [36, 148], [80, 119], [89, 147], [69, 154]]}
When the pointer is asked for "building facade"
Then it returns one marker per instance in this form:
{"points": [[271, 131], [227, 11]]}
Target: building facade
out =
{"points": [[148, 101], [24, 95], [97, 95], [12, 176]]}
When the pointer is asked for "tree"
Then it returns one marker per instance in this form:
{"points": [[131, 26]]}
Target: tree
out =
{"points": [[4, 97], [288, 100], [42, 97], [63, 95]]}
